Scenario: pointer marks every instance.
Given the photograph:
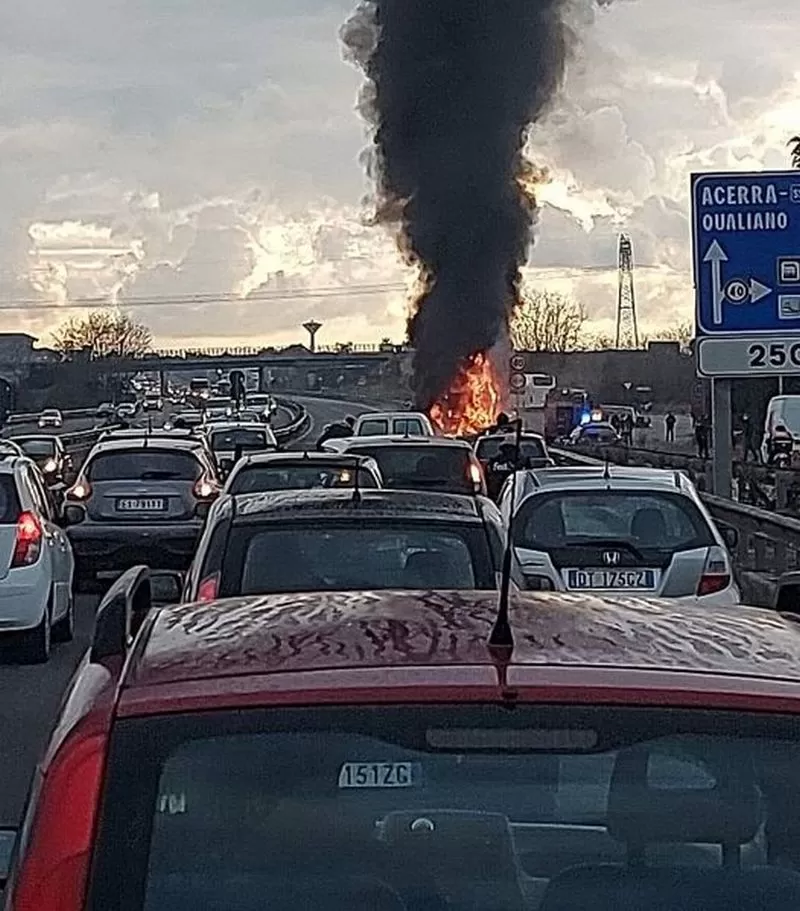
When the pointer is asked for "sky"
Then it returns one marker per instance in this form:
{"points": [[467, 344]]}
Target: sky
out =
{"points": [[166, 152]]}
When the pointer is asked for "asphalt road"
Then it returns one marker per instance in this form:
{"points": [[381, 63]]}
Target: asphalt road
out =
{"points": [[30, 695]]}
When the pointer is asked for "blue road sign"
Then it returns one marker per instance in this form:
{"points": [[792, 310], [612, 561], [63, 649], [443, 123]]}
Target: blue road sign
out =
{"points": [[746, 251]]}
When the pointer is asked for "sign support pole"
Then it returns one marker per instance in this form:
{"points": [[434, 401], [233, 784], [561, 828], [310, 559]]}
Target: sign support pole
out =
{"points": [[721, 406]]}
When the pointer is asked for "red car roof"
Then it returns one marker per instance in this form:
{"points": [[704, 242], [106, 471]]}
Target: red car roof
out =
{"points": [[376, 645]]}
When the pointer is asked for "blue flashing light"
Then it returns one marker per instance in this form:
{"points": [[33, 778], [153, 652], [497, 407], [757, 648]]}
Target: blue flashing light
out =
{"points": [[586, 417]]}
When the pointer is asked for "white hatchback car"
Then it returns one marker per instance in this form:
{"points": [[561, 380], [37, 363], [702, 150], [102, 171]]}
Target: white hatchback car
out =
{"points": [[50, 417], [36, 563], [637, 532]]}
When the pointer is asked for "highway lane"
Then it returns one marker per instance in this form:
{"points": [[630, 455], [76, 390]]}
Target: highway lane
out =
{"points": [[324, 411], [29, 699]]}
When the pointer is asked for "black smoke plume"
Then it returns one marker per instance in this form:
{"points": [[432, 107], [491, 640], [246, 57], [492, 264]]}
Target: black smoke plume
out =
{"points": [[453, 87]]}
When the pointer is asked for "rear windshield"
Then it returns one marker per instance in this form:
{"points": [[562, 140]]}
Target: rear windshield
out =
{"points": [[222, 440], [438, 468], [262, 478], [37, 447], [474, 808], [340, 556], [9, 502], [376, 427], [144, 465], [530, 448], [660, 521]]}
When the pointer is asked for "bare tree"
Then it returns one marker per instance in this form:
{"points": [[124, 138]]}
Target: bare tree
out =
{"points": [[794, 142], [547, 321], [105, 333]]}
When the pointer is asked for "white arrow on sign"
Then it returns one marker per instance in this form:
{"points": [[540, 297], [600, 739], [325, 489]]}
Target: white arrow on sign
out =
{"points": [[716, 256], [757, 290]]}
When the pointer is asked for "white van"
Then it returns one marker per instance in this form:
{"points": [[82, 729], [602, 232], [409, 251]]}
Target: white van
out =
{"points": [[782, 411]]}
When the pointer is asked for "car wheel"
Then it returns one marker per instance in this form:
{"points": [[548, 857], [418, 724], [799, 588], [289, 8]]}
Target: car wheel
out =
{"points": [[64, 629], [34, 647]]}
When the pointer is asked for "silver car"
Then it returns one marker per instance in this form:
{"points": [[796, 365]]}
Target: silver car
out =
{"points": [[140, 499], [618, 531]]}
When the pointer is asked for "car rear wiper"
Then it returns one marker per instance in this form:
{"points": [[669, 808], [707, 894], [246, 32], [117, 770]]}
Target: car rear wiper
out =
{"points": [[609, 543]]}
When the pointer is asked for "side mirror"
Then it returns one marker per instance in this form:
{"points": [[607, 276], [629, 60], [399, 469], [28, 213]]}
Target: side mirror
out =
{"points": [[8, 841], [787, 593], [730, 536], [166, 586], [73, 515]]}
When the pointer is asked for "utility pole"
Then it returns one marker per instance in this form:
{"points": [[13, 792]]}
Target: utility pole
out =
{"points": [[627, 327]]}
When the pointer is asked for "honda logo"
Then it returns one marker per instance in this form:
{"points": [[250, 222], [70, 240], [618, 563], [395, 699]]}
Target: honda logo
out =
{"points": [[611, 558]]}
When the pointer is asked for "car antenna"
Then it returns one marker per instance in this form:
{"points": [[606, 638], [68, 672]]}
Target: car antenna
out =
{"points": [[501, 638]]}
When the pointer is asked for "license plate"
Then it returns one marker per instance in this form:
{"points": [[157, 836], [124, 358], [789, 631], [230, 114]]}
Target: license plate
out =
{"points": [[150, 504], [376, 775], [611, 579]]}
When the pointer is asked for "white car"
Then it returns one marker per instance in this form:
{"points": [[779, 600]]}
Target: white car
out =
{"points": [[126, 410], [225, 439], [393, 423], [51, 417], [619, 531], [36, 563]]}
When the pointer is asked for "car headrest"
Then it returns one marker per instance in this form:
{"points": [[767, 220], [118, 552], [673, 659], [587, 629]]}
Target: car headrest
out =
{"points": [[705, 794]]}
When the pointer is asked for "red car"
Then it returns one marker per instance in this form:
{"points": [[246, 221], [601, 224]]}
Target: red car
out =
{"points": [[371, 752]]}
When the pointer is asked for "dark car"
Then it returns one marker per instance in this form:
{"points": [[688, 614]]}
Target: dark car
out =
{"points": [[491, 449], [139, 498], [273, 471], [438, 464], [48, 451], [371, 752], [339, 540]]}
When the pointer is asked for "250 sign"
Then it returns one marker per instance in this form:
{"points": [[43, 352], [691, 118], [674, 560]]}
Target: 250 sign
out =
{"points": [[773, 354]]}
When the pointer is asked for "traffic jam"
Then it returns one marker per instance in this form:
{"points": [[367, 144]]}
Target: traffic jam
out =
{"points": [[388, 666]]}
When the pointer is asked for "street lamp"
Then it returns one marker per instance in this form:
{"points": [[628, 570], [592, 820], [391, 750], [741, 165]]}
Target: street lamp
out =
{"points": [[312, 327]]}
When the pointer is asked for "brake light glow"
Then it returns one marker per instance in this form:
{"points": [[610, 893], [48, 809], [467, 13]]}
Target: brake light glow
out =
{"points": [[475, 474], [205, 489], [81, 490], [28, 544], [55, 864], [208, 588]]}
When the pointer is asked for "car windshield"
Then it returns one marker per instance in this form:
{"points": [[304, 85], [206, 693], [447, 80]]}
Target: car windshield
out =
{"points": [[223, 440], [790, 414], [376, 427], [144, 465], [395, 808], [300, 476], [530, 448], [341, 555], [37, 448], [445, 469], [660, 521], [9, 502]]}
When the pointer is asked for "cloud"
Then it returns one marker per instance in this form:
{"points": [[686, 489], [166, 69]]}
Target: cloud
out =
{"points": [[165, 150]]}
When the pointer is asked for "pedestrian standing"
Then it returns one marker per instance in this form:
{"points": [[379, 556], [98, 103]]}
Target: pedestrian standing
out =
{"points": [[669, 424], [749, 439], [702, 433]]}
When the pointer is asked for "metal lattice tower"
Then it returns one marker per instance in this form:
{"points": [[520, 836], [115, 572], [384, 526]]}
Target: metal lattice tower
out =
{"points": [[627, 327]]}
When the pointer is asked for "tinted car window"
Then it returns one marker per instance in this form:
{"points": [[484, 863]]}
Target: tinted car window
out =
{"points": [[230, 439], [144, 465], [315, 808], [530, 448], [411, 426], [373, 428], [649, 520], [261, 478], [9, 502], [339, 556], [439, 468], [37, 448]]}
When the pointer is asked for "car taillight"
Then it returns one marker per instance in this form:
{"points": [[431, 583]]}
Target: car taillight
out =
{"points": [[475, 474], [205, 489], [80, 490], [208, 588], [716, 576], [54, 864], [28, 544]]}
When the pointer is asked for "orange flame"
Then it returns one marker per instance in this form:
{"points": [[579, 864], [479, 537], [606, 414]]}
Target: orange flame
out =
{"points": [[472, 402]]}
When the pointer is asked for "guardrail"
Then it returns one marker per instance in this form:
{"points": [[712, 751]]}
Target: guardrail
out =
{"points": [[24, 418]]}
